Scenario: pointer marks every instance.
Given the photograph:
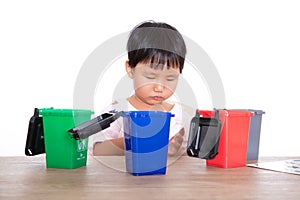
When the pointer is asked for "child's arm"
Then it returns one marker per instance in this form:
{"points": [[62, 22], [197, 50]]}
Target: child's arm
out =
{"points": [[109, 147]]}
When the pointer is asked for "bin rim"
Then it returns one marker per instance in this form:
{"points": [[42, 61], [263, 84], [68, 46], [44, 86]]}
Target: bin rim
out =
{"points": [[257, 112], [64, 112], [231, 112], [234, 113], [147, 113]]}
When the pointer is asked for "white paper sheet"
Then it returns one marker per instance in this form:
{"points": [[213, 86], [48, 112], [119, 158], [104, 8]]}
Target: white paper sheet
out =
{"points": [[288, 166]]}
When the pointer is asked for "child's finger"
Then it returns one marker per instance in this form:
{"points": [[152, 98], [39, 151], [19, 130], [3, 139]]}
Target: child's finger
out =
{"points": [[173, 147], [181, 132], [178, 138]]}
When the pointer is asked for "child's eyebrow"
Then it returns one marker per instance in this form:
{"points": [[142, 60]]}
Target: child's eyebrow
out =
{"points": [[149, 73]]}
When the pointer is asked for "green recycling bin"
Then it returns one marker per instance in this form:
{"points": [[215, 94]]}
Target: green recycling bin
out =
{"points": [[62, 151]]}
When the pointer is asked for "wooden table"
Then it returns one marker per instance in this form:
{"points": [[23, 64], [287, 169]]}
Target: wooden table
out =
{"points": [[105, 178]]}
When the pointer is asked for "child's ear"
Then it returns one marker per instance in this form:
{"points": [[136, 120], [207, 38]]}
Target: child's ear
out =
{"points": [[129, 69]]}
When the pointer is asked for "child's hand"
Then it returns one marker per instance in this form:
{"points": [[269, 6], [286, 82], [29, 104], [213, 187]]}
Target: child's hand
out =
{"points": [[175, 143]]}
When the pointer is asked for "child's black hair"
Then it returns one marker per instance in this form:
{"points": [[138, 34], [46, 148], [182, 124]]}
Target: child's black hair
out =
{"points": [[156, 43]]}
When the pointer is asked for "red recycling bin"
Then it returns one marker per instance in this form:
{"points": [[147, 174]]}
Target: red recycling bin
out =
{"points": [[233, 139]]}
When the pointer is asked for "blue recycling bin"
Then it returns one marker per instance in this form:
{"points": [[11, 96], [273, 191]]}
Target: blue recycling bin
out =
{"points": [[146, 137]]}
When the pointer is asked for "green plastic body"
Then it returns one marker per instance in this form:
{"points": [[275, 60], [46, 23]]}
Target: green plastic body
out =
{"points": [[62, 151]]}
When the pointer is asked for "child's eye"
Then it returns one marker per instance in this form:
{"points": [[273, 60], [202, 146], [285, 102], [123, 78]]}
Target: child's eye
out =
{"points": [[150, 77], [170, 79]]}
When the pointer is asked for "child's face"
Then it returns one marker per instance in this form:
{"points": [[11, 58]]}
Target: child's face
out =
{"points": [[153, 85]]}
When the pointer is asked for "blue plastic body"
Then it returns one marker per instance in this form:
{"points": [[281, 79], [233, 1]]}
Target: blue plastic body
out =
{"points": [[146, 135]]}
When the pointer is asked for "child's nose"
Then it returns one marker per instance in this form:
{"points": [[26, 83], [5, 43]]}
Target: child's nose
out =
{"points": [[158, 87]]}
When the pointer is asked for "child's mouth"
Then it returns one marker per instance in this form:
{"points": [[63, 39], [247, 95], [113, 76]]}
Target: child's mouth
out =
{"points": [[158, 98]]}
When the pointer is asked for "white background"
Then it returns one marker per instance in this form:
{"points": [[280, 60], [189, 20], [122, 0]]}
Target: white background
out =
{"points": [[255, 46]]}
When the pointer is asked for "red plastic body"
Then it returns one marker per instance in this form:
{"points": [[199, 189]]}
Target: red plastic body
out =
{"points": [[233, 139]]}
